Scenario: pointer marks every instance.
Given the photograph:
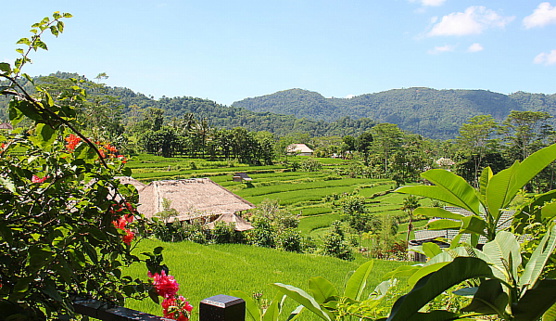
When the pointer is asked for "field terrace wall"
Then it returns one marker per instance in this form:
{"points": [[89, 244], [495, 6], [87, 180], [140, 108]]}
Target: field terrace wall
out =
{"points": [[195, 198]]}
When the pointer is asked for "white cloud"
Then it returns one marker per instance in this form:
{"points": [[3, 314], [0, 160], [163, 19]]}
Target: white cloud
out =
{"points": [[545, 14], [442, 49], [546, 58], [474, 20], [476, 47], [349, 96], [430, 3]]}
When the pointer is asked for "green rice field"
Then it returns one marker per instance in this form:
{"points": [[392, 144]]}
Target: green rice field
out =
{"points": [[308, 194], [206, 270]]}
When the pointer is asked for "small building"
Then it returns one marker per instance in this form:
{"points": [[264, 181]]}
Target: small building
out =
{"points": [[240, 177], [445, 162], [193, 199], [6, 126], [299, 149]]}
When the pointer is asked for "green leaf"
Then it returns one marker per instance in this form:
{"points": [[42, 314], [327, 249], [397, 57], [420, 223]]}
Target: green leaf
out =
{"points": [[540, 256], [550, 314], [322, 289], [24, 41], [486, 175], [5, 68], [437, 212], [302, 298], [67, 15], [532, 165], [251, 307], [473, 224], [426, 270], [444, 225], [502, 251], [461, 191], [430, 286], [498, 193], [490, 298], [358, 281], [431, 249], [535, 302], [273, 311], [45, 134], [7, 184], [548, 211]]}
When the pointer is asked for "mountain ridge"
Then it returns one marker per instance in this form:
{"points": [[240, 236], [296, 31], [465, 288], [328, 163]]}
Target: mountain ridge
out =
{"points": [[427, 111]]}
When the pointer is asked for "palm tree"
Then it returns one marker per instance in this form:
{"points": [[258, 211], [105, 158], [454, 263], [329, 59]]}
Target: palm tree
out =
{"points": [[410, 203]]}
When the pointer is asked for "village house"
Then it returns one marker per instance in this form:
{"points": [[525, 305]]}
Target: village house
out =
{"points": [[299, 149], [193, 199]]}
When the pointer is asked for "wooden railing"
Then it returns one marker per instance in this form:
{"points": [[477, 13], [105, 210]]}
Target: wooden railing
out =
{"points": [[216, 308]]}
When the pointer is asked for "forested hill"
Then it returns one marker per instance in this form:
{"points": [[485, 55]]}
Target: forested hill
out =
{"points": [[432, 113], [131, 105]]}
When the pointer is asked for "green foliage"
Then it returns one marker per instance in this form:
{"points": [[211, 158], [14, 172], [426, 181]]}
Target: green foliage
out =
{"points": [[66, 227], [335, 244], [495, 194]]}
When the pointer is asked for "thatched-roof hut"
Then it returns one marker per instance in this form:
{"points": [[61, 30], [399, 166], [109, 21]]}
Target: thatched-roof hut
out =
{"points": [[191, 198], [239, 223]]}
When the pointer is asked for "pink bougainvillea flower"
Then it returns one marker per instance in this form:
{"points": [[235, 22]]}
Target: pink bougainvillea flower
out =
{"points": [[72, 142], [37, 180], [128, 237], [165, 285]]}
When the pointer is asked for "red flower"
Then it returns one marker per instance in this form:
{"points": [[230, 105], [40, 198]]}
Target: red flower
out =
{"points": [[120, 223], [165, 285], [176, 308], [73, 141], [129, 218], [37, 180], [128, 237]]}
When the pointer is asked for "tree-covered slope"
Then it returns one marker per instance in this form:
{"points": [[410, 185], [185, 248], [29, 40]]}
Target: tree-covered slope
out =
{"points": [[432, 113], [134, 104]]}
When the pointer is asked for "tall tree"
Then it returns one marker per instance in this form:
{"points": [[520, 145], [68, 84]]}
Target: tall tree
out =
{"points": [[525, 132], [387, 138], [476, 139]]}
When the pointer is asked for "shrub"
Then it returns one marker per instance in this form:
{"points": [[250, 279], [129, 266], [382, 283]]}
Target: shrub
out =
{"points": [[290, 240]]}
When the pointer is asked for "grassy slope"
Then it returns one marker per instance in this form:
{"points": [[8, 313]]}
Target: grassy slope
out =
{"points": [[207, 270]]}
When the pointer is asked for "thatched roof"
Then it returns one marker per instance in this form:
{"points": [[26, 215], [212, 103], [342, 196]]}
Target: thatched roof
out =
{"points": [[192, 198], [298, 148], [239, 223], [6, 126]]}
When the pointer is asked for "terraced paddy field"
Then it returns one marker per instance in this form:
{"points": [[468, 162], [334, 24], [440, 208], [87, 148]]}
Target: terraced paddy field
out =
{"points": [[310, 194]]}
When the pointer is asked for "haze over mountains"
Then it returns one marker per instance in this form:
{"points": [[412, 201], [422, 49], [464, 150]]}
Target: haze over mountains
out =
{"points": [[429, 112]]}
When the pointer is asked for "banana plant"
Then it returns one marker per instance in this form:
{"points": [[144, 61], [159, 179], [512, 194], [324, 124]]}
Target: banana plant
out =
{"points": [[494, 195], [323, 298], [506, 288]]}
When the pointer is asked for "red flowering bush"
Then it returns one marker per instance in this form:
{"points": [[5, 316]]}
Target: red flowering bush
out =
{"points": [[66, 222], [174, 306]]}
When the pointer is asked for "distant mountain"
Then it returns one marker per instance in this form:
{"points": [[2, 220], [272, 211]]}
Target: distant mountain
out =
{"points": [[429, 112], [217, 115]]}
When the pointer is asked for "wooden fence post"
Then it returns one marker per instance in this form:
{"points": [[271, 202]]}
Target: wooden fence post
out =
{"points": [[222, 308]]}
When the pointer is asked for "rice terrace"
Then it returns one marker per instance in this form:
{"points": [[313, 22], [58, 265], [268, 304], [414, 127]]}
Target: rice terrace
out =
{"points": [[411, 204]]}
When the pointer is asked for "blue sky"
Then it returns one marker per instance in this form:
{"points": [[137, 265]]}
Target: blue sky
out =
{"points": [[229, 50]]}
